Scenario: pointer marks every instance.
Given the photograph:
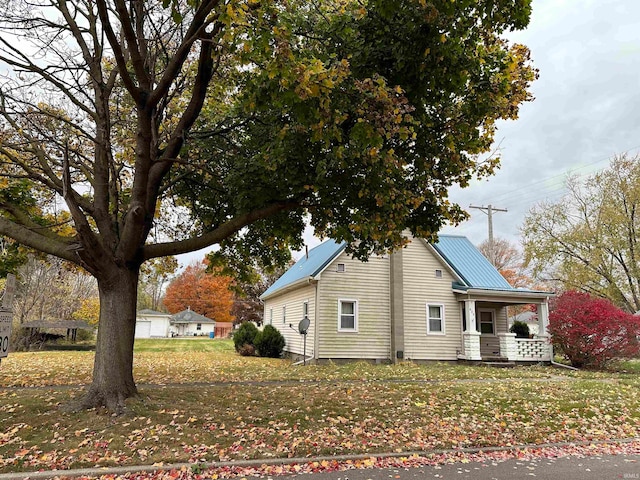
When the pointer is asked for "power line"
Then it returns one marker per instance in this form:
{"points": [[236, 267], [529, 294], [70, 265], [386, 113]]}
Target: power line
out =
{"points": [[489, 211], [561, 176]]}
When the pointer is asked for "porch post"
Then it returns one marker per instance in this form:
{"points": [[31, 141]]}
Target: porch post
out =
{"points": [[543, 323], [471, 336], [470, 315], [543, 319]]}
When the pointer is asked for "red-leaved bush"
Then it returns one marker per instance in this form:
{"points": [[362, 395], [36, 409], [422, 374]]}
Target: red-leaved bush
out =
{"points": [[592, 331]]}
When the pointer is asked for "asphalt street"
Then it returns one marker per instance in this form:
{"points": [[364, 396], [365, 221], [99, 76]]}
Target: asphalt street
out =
{"points": [[607, 467]]}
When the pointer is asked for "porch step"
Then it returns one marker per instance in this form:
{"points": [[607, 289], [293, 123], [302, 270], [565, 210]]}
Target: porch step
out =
{"points": [[494, 358], [499, 364]]}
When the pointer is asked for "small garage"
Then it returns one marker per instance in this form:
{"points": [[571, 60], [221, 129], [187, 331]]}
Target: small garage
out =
{"points": [[152, 324], [143, 329]]}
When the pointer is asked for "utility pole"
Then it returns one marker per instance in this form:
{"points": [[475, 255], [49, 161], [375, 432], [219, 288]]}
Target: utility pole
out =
{"points": [[489, 209]]}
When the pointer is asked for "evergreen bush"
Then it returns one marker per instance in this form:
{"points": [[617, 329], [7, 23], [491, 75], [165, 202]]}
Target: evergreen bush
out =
{"points": [[521, 329], [269, 342], [244, 335]]}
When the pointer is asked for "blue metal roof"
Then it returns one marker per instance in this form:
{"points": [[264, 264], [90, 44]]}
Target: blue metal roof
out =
{"points": [[470, 265], [319, 257]]}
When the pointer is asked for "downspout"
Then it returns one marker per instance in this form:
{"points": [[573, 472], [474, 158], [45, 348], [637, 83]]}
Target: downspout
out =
{"points": [[315, 327], [316, 313], [556, 364]]}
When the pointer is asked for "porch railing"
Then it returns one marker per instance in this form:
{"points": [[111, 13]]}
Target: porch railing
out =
{"points": [[524, 349], [533, 349]]}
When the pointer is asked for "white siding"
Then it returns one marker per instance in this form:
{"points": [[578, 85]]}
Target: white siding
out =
{"points": [[159, 327], [191, 329], [143, 328], [368, 284], [293, 301], [421, 286]]}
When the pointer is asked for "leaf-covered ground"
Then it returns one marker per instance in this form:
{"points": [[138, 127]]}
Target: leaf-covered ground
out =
{"points": [[319, 415], [206, 361]]}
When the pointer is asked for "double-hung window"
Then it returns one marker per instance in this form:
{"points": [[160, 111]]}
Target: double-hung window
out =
{"points": [[435, 318], [347, 315], [487, 321]]}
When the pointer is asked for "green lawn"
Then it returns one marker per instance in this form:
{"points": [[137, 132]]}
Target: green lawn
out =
{"points": [[329, 409]]}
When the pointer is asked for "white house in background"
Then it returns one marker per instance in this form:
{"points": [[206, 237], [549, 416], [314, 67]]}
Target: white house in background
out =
{"points": [[151, 324], [441, 301], [189, 323], [528, 317]]}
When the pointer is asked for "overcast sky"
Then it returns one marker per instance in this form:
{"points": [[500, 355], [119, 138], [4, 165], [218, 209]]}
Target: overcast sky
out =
{"points": [[587, 109]]}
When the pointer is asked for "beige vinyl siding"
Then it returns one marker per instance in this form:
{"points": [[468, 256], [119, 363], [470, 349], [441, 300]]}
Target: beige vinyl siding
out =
{"points": [[368, 284], [490, 344], [293, 301], [422, 287]]}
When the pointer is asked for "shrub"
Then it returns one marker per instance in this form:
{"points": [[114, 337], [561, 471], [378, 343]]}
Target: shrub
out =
{"points": [[245, 334], [521, 329], [269, 342], [247, 350], [592, 332]]}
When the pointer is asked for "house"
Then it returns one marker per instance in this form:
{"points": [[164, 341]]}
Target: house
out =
{"points": [[190, 323], [152, 324], [441, 301]]}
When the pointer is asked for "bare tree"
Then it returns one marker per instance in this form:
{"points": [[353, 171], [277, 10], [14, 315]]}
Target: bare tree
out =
{"points": [[51, 289]]}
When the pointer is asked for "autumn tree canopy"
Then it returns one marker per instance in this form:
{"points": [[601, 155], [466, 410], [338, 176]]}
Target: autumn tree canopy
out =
{"points": [[507, 259], [588, 240], [204, 293], [168, 127]]}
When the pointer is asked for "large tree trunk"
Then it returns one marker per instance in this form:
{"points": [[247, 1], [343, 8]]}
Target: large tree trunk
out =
{"points": [[113, 366]]}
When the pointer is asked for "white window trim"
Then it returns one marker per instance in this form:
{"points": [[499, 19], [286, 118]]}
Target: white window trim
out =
{"points": [[493, 321], [355, 312], [434, 304], [341, 270]]}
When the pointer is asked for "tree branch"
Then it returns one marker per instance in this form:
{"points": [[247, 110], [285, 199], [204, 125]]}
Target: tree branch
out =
{"points": [[118, 54], [218, 234], [28, 237]]}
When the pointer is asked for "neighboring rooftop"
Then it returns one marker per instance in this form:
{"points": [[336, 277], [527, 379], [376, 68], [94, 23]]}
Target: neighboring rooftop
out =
{"points": [[148, 311], [61, 324], [189, 316]]}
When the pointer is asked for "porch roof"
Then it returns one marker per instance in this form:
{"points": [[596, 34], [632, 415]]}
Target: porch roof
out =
{"points": [[506, 295]]}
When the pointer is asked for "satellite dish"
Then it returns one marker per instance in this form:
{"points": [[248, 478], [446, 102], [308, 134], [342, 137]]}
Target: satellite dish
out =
{"points": [[303, 326]]}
